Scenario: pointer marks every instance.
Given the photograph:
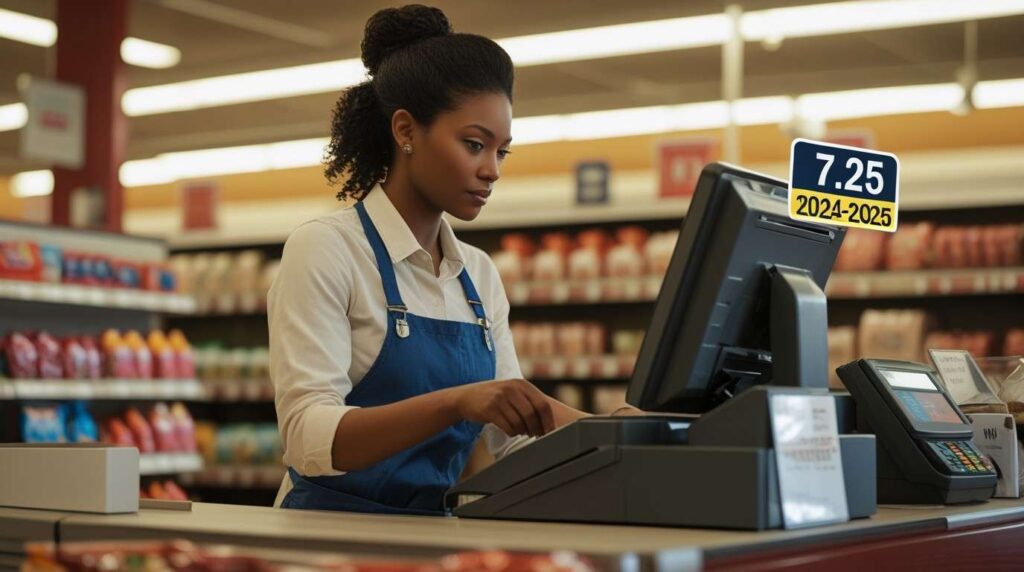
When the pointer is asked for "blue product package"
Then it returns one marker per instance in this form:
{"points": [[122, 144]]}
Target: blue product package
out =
{"points": [[53, 262], [102, 272], [127, 276], [81, 426], [72, 268], [43, 423], [168, 283]]}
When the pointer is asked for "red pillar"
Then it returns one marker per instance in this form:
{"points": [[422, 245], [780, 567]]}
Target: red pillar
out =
{"points": [[89, 35]]}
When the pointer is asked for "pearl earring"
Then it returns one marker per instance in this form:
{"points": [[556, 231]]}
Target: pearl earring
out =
{"points": [[407, 148]]}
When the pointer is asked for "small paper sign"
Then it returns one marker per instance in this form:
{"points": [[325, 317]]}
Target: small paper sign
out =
{"points": [[962, 377], [808, 460]]}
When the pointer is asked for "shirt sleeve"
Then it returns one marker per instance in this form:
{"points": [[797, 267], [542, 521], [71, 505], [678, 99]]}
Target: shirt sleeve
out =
{"points": [[311, 345], [498, 443]]}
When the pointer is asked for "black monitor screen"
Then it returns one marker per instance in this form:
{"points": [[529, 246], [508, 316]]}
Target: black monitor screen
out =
{"points": [[711, 318]]}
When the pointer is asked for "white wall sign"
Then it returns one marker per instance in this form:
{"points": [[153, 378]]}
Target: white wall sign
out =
{"points": [[55, 132]]}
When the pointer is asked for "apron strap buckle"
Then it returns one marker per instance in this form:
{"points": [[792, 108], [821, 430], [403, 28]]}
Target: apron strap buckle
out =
{"points": [[401, 324]]}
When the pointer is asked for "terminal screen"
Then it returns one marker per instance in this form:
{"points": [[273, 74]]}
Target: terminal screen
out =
{"points": [[909, 380], [927, 407]]}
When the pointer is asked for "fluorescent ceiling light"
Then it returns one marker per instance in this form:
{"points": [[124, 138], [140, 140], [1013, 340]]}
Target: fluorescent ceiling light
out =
{"points": [[1002, 93], [13, 116], [42, 32], [880, 101], [583, 44], [617, 40], [243, 87], [171, 167], [27, 29], [866, 15], [32, 184], [148, 54]]}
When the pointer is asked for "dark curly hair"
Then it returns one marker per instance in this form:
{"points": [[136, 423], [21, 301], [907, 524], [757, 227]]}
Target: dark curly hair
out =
{"points": [[415, 63]]}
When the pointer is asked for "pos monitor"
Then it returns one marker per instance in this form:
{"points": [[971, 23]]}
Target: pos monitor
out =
{"points": [[742, 301]]}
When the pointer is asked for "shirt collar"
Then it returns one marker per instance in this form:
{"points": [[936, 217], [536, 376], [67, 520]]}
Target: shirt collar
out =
{"points": [[398, 238]]}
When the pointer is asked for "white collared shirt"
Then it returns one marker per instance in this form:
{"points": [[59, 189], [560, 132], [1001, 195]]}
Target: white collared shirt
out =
{"points": [[327, 317]]}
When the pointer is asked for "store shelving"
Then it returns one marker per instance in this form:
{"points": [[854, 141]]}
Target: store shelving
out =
{"points": [[239, 390], [236, 476], [97, 296], [151, 464], [583, 368], [105, 389]]}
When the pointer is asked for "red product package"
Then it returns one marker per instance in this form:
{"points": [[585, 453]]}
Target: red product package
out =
{"points": [[51, 363], [141, 431], [76, 359], [118, 356], [164, 435], [184, 356], [909, 248], [184, 426], [862, 250], [20, 260], [22, 357], [117, 433], [93, 358], [174, 492]]}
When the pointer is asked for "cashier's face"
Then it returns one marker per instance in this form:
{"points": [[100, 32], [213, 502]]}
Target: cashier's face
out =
{"points": [[458, 157]]}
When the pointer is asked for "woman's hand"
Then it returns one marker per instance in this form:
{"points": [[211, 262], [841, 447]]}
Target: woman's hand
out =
{"points": [[627, 411], [516, 406]]}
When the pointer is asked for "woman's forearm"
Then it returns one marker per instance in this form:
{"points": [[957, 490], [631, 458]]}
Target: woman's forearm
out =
{"points": [[368, 435]]}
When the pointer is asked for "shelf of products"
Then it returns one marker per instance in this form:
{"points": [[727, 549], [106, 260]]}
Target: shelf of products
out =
{"points": [[236, 476], [97, 296], [103, 389], [169, 463]]}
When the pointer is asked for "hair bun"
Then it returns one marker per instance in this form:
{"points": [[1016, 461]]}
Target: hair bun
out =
{"points": [[394, 28]]}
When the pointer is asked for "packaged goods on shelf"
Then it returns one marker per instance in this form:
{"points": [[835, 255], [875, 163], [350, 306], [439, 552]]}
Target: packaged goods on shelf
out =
{"points": [[238, 443], [235, 374], [842, 349], [862, 251], [170, 555], [163, 490], [34, 262], [1013, 343], [608, 398], [163, 430], [58, 423], [893, 334], [226, 282], [118, 356]]}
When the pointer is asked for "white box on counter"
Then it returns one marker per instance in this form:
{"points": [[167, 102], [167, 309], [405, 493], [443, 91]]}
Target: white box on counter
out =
{"points": [[996, 435], [80, 477]]}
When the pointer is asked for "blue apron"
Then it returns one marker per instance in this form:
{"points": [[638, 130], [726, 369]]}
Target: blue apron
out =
{"points": [[419, 355]]}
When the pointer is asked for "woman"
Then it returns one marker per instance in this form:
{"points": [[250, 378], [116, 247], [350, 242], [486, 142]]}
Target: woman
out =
{"points": [[389, 342]]}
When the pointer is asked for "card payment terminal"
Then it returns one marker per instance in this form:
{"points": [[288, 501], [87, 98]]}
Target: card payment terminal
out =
{"points": [[924, 443]]}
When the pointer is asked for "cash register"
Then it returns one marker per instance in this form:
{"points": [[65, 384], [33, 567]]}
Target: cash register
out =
{"points": [[740, 315]]}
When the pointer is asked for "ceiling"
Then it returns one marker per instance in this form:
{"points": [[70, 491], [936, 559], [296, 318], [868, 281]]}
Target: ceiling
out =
{"points": [[219, 37]]}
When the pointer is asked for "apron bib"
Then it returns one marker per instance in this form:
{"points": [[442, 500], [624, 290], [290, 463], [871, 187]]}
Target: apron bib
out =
{"points": [[419, 355]]}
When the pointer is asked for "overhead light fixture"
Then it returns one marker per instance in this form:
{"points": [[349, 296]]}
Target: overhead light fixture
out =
{"points": [[1000, 93], [243, 87], [32, 184], [13, 116], [42, 32], [146, 54], [617, 40], [867, 15], [585, 44], [879, 101], [817, 107], [27, 29]]}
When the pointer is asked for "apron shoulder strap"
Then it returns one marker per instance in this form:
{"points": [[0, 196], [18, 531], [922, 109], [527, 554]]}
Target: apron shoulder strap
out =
{"points": [[380, 252]]}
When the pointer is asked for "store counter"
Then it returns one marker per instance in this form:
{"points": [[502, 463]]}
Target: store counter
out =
{"points": [[987, 533]]}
